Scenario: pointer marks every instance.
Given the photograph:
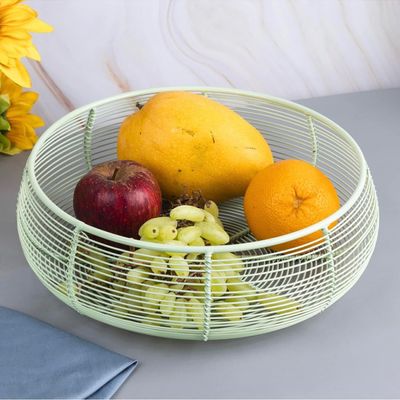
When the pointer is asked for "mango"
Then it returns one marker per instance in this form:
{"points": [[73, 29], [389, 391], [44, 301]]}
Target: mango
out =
{"points": [[191, 142]]}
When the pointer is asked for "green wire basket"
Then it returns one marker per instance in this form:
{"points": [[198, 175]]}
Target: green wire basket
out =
{"points": [[91, 270]]}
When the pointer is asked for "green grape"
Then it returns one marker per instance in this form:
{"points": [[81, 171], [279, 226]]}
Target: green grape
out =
{"points": [[124, 260], [193, 284], [167, 304], [213, 233], [192, 257], [63, 288], [120, 306], [189, 213], [197, 242], [93, 257], [222, 269], [227, 311], [209, 217], [118, 286], [137, 275], [212, 208], [231, 263], [179, 265], [219, 222], [101, 275], [152, 296], [195, 311], [240, 302], [159, 266], [218, 284], [175, 243], [150, 232], [277, 303], [177, 284], [127, 304], [188, 234], [237, 286], [97, 265], [133, 289], [149, 304], [156, 292], [178, 317], [155, 318], [157, 223], [145, 256], [167, 232]]}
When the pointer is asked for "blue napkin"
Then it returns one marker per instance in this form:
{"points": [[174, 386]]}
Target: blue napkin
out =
{"points": [[38, 361]]}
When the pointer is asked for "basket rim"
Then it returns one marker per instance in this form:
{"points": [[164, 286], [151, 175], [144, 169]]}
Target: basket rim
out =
{"points": [[257, 244]]}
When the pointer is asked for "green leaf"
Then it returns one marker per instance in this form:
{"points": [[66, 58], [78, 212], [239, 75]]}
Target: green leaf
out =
{"points": [[4, 103], [6, 148], [4, 124], [4, 143]]}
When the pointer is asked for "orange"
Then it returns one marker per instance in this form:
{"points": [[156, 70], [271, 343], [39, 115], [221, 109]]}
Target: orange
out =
{"points": [[288, 196]]}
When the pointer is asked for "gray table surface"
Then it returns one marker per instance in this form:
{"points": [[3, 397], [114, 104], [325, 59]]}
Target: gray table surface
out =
{"points": [[351, 350]]}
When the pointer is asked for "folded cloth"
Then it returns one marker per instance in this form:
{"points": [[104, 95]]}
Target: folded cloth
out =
{"points": [[38, 361]]}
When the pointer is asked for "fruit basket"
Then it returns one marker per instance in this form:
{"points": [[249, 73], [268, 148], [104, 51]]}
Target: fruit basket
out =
{"points": [[91, 270]]}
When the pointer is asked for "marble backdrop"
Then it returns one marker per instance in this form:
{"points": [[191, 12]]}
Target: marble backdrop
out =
{"points": [[293, 49]]}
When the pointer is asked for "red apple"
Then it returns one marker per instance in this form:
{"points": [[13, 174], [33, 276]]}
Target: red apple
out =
{"points": [[118, 197]]}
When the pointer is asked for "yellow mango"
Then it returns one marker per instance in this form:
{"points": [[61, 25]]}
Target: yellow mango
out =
{"points": [[191, 142]]}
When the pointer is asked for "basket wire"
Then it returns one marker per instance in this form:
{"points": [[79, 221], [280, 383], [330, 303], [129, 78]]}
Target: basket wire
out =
{"points": [[272, 290]]}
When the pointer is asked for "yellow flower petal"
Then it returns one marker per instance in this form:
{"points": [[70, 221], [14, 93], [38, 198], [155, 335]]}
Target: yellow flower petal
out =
{"points": [[32, 120], [29, 132], [20, 140], [17, 14], [8, 3], [23, 143], [18, 74], [8, 87], [3, 57], [32, 52], [22, 123], [38, 25], [10, 48], [21, 135], [16, 34], [18, 111], [16, 21]]}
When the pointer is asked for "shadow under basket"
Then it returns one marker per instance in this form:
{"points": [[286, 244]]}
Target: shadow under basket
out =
{"points": [[249, 289]]}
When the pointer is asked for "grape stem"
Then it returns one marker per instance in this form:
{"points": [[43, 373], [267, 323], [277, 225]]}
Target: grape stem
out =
{"points": [[239, 234]]}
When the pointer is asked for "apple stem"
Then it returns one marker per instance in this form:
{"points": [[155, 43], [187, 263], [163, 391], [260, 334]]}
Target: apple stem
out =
{"points": [[115, 174]]}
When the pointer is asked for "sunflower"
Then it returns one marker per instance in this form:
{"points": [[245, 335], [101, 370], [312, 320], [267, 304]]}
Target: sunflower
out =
{"points": [[16, 21], [17, 124]]}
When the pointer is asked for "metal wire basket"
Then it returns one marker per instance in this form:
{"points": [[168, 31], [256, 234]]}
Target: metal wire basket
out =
{"points": [[88, 268]]}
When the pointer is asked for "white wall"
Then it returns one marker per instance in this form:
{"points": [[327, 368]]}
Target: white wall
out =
{"points": [[293, 49]]}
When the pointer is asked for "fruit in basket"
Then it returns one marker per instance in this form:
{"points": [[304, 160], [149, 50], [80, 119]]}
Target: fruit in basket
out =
{"points": [[288, 196], [118, 197], [167, 304], [191, 142], [277, 303], [194, 231], [168, 288], [228, 311]]}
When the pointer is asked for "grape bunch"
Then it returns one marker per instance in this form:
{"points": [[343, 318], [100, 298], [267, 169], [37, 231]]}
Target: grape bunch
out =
{"points": [[168, 288]]}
